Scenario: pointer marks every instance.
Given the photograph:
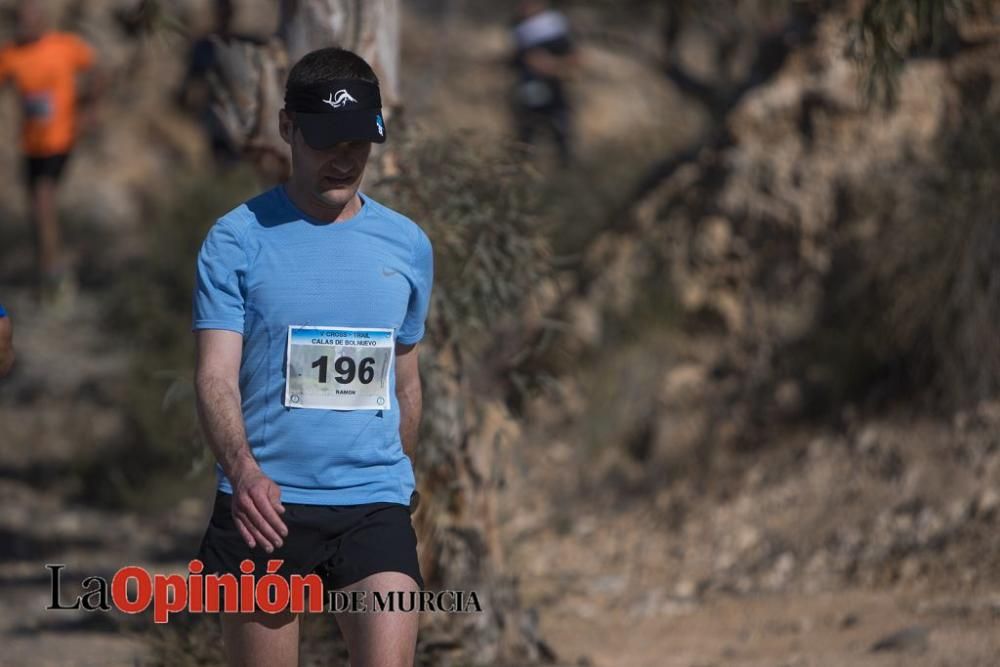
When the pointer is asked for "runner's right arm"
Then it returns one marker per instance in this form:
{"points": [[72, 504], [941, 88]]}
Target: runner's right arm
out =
{"points": [[256, 498]]}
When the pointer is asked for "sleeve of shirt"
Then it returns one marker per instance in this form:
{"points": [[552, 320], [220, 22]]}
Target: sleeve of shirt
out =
{"points": [[82, 54], [219, 301], [412, 329], [4, 67]]}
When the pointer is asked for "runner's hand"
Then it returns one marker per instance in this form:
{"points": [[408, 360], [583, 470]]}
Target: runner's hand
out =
{"points": [[256, 509]]}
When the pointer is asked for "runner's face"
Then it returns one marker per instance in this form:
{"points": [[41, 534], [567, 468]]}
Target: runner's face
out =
{"points": [[332, 176], [30, 20]]}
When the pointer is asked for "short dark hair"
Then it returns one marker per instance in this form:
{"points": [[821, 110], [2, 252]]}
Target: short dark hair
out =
{"points": [[330, 63]]}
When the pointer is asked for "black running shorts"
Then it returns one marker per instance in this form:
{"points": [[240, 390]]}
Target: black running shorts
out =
{"points": [[341, 543], [48, 166]]}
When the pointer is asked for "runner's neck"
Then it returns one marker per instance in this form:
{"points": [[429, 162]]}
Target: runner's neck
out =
{"points": [[319, 212]]}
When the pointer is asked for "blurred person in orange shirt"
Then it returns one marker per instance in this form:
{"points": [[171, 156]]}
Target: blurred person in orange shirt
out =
{"points": [[43, 65]]}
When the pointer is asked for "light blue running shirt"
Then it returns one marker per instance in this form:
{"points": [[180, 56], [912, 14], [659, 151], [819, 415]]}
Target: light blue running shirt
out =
{"points": [[265, 266]]}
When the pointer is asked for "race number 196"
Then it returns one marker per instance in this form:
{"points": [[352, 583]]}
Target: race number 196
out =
{"points": [[338, 368]]}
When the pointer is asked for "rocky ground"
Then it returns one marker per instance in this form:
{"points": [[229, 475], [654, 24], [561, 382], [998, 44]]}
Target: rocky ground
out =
{"points": [[58, 412], [872, 547]]}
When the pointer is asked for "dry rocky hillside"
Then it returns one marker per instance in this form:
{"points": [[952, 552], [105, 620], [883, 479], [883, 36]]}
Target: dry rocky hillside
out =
{"points": [[711, 498], [698, 486]]}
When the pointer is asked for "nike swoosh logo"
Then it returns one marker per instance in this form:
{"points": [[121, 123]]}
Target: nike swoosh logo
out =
{"points": [[388, 272]]}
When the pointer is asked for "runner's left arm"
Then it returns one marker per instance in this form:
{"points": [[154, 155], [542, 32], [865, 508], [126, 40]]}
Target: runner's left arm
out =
{"points": [[409, 397], [408, 390], [96, 80]]}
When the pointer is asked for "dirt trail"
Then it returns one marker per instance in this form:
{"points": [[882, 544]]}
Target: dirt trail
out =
{"points": [[57, 410], [829, 629], [750, 573], [606, 611]]}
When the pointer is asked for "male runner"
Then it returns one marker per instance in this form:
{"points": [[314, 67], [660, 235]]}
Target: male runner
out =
{"points": [[310, 300], [43, 64], [6, 343]]}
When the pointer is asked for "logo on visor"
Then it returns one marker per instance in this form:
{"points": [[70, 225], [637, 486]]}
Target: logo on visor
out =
{"points": [[339, 99], [379, 125]]}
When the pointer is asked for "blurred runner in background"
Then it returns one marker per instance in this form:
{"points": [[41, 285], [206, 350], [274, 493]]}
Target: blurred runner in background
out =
{"points": [[545, 57], [195, 92], [43, 65], [6, 343]]}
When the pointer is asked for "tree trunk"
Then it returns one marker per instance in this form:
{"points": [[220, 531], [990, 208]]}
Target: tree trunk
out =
{"points": [[249, 79]]}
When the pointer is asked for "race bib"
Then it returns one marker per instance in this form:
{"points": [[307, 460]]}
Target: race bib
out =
{"points": [[338, 368], [37, 106]]}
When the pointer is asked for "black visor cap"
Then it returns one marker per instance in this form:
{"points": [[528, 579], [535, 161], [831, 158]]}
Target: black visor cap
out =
{"points": [[336, 111], [324, 130]]}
